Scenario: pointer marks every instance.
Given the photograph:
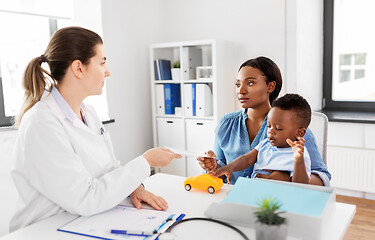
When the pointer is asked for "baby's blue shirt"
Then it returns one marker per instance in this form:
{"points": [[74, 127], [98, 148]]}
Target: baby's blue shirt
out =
{"points": [[274, 158], [232, 141]]}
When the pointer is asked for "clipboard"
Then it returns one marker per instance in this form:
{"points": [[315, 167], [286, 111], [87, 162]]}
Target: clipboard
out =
{"points": [[121, 217]]}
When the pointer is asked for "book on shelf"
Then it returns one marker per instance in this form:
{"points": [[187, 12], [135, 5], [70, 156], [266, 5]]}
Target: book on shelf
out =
{"points": [[162, 69]]}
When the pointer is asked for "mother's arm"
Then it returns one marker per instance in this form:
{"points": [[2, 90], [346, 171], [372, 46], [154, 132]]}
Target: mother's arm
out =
{"points": [[319, 172]]}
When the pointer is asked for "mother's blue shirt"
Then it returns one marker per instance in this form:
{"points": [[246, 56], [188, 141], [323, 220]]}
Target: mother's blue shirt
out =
{"points": [[232, 141]]}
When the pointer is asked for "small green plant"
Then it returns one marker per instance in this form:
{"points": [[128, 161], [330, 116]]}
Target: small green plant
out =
{"points": [[268, 212], [176, 64]]}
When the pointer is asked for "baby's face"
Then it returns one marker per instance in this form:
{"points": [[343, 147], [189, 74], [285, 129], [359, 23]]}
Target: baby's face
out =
{"points": [[281, 124]]}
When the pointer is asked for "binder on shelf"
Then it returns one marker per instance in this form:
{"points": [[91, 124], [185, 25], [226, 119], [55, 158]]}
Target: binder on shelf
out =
{"points": [[191, 58], [160, 103], [162, 69], [172, 96], [188, 100], [194, 98], [203, 100]]}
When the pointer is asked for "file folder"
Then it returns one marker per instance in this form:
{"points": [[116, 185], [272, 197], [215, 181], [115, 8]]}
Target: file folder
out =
{"points": [[194, 98], [172, 95], [203, 100], [160, 103], [188, 100], [191, 58]]}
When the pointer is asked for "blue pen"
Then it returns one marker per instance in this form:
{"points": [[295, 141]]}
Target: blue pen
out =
{"points": [[166, 229], [180, 217], [165, 221], [132, 233]]}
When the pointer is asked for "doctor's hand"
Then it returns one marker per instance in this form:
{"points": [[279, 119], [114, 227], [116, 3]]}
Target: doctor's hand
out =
{"points": [[142, 195], [208, 161], [160, 157]]}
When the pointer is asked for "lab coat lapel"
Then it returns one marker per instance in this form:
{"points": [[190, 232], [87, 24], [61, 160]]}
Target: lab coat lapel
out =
{"points": [[79, 124], [49, 99]]}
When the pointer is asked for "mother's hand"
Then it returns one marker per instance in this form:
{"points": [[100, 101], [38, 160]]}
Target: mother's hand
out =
{"points": [[142, 195], [208, 161]]}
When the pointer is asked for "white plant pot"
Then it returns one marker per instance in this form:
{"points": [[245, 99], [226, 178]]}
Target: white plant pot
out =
{"points": [[270, 232], [176, 74]]}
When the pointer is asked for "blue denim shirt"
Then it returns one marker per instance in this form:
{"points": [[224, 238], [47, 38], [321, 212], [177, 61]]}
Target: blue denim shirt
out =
{"points": [[232, 141]]}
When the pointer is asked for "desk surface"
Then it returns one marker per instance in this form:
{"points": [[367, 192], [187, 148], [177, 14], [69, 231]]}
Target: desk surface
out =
{"points": [[192, 203]]}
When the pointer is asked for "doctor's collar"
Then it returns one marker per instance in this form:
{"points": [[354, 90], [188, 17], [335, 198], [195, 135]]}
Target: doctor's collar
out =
{"points": [[64, 106]]}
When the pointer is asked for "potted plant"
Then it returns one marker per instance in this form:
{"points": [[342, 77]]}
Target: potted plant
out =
{"points": [[269, 223], [176, 73]]}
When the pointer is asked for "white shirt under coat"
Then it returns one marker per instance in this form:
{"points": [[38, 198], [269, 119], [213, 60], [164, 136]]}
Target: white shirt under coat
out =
{"points": [[62, 164]]}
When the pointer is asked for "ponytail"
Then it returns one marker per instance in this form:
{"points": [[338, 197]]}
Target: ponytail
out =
{"points": [[34, 83], [65, 46]]}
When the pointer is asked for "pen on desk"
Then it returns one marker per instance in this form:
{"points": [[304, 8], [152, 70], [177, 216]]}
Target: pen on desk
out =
{"points": [[165, 222], [132, 233], [175, 222], [167, 227]]}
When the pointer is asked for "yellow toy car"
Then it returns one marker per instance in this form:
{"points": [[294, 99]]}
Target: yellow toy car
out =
{"points": [[205, 182]]}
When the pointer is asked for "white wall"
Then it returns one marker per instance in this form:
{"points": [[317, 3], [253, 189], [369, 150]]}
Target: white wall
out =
{"points": [[128, 28], [288, 31], [254, 27], [304, 50]]}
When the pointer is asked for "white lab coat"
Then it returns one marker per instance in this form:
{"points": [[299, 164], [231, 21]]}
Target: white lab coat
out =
{"points": [[67, 166]]}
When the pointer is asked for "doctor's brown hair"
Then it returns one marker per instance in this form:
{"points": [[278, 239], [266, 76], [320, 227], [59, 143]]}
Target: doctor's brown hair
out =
{"points": [[66, 45]]}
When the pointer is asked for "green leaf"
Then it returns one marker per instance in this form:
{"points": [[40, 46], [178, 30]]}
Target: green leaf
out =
{"points": [[267, 211], [176, 64]]}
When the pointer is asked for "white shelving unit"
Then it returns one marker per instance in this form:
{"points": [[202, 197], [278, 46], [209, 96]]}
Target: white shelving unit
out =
{"points": [[192, 133]]}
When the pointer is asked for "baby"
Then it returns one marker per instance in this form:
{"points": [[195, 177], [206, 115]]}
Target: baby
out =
{"points": [[284, 148]]}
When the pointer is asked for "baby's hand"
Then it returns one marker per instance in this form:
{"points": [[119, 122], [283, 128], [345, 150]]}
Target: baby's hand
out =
{"points": [[226, 170], [298, 148]]}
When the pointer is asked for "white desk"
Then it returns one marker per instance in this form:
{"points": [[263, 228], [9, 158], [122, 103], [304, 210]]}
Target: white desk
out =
{"points": [[192, 203]]}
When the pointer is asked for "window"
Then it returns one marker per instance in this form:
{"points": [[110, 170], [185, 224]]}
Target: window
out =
{"points": [[17, 48], [349, 55], [26, 35]]}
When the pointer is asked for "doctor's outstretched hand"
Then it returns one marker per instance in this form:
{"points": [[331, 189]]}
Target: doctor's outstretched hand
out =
{"points": [[160, 157]]}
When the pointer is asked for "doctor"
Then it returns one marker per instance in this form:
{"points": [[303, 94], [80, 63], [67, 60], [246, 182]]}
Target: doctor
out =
{"points": [[64, 160]]}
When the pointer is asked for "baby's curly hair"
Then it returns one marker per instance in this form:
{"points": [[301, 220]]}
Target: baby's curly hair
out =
{"points": [[297, 104]]}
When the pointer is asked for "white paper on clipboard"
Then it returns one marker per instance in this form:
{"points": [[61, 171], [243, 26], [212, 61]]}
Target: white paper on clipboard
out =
{"points": [[121, 218]]}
